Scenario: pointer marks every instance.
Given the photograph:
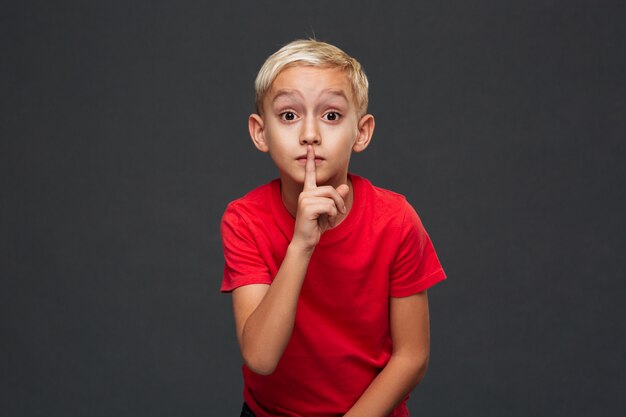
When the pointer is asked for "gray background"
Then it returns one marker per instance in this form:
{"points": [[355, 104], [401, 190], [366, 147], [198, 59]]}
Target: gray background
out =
{"points": [[123, 137]]}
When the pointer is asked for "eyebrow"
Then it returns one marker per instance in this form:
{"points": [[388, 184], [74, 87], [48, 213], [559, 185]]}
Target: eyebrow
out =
{"points": [[294, 94], [335, 92]]}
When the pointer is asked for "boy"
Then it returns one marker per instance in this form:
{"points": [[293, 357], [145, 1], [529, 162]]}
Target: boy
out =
{"points": [[328, 273]]}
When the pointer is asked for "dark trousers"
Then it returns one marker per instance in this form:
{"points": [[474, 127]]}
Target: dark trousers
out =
{"points": [[245, 411]]}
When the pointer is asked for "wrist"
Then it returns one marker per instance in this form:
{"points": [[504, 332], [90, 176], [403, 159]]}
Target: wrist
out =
{"points": [[300, 249]]}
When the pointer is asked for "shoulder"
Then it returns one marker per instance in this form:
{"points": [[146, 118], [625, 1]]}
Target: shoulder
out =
{"points": [[382, 200], [253, 205], [259, 198]]}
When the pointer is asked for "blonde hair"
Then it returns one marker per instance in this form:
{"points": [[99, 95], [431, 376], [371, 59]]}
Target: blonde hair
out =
{"points": [[310, 52]]}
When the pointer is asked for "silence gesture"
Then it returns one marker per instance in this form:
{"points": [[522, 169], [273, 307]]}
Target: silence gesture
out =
{"points": [[318, 207]]}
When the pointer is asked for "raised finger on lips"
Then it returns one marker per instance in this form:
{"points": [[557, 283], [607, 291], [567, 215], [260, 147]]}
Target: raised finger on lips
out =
{"points": [[310, 182], [309, 169]]}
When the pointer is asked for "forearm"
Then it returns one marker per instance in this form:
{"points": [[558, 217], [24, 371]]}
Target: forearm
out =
{"points": [[392, 385], [268, 329]]}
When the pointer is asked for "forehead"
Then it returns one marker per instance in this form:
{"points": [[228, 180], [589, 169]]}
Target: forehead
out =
{"points": [[308, 81]]}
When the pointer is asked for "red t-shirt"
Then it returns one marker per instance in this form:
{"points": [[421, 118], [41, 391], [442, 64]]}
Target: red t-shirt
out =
{"points": [[341, 337]]}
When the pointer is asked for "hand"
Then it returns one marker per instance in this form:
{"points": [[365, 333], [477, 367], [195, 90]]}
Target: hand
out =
{"points": [[318, 207]]}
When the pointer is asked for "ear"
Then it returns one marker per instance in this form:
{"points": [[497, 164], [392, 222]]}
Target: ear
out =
{"points": [[256, 127], [365, 132]]}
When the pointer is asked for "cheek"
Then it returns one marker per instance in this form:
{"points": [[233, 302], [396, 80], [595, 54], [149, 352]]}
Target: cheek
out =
{"points": [[280, 132], [281, 146], [346, 132], [275, 136], [349, 135]]}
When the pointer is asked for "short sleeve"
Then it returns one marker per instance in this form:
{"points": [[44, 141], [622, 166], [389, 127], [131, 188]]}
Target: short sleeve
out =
{"points": [[416, 266], [243, 264]]}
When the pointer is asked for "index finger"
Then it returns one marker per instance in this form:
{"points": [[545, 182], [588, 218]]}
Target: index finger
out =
{"points": [[309, 169]]}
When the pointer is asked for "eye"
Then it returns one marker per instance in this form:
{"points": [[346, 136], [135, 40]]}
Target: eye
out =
{"points": [[332, 116], [288, 116]]}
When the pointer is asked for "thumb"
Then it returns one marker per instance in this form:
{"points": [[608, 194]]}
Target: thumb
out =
{"points": [[343, 190]]}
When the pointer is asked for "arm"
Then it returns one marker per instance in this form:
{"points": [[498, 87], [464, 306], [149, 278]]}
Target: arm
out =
{"points": [[411, 344], [265, 314]]}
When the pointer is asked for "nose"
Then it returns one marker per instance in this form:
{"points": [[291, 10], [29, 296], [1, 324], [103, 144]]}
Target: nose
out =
{"points": [[310, 134]]}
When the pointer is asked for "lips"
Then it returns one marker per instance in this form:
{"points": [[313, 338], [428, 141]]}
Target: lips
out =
{"points": [[301, 160], [317, 157]]}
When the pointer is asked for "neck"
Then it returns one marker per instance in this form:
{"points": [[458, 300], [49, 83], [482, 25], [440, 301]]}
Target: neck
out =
{"points": [[290, 192]]}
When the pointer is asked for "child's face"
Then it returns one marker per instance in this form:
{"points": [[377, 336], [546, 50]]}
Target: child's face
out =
{"points": [[310, 105]]}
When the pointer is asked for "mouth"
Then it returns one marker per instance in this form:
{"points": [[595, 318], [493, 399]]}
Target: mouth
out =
{"points": [[302, 160]]}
